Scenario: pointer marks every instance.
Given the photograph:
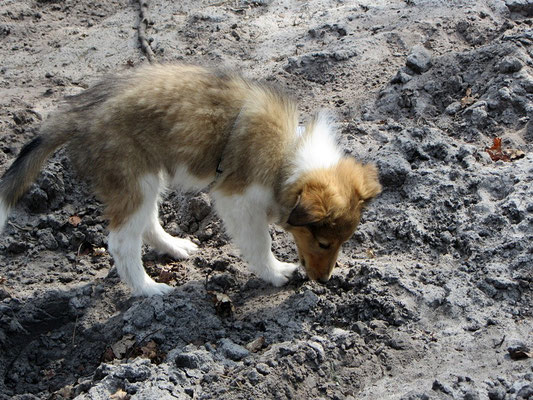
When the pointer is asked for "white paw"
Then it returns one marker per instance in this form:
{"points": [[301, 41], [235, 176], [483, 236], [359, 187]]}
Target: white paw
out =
{"points": [[152, 288], [279, 273], [181, 248]]}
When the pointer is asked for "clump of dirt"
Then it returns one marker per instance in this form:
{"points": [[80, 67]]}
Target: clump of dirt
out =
{"points": [[433, 298]]}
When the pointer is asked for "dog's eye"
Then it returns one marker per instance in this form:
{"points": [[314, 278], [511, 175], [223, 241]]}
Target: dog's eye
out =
{"points": [[324, 245]]}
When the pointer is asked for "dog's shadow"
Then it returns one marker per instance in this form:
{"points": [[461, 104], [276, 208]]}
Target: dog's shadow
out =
{"points": [[54, 338]]}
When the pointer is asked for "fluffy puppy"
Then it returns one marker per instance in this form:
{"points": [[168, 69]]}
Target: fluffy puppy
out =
{"points": [[187, 126]]}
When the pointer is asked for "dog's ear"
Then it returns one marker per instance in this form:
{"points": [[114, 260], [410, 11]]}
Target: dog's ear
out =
{"points": [[303, 214], [368, 185]]}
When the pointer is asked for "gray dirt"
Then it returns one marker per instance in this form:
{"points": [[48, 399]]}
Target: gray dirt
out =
{"points": [[433, 299]]}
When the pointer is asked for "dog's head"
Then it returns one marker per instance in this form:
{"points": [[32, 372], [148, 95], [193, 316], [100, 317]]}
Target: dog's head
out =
{"points": [[327, 210]]}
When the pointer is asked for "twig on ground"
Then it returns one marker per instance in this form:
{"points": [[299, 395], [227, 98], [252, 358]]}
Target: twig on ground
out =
{"points": [[74, 331], [141, 31]]}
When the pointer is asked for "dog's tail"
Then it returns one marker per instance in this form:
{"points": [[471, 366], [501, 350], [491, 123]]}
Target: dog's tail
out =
{"points": [[24, 170]]}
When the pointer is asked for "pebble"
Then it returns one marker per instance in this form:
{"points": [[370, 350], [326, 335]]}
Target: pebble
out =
{"points": [[419, 60], [232, 350], [510, 64]]}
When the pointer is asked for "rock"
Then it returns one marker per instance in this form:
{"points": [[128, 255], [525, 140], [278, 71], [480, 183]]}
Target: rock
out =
{"points": [[138, 370], [262, 368], [453, 108], [232, 350], [525, 393], [510, 64], [36, 200], [16, 246], [441, 387], [47, 239], [401, 77], [524, 7], [497, 393], [419, 60], [393, 170], [193, 359], [200, 206]]}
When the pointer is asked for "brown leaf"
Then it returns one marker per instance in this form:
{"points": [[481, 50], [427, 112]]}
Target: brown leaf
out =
{"points": [[165, 276], [468, 99], [2, 280], [120, 395], [108, 355], [514, 154], [74, 220], [152, 352], [496, 152], [98, 251], [123, 346], [256, 345], [223, 304], [519, 353], [67, 392], [48, 373]]}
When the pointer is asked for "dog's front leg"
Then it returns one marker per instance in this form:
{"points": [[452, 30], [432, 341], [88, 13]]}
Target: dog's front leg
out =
{"points": [[246, 221]]}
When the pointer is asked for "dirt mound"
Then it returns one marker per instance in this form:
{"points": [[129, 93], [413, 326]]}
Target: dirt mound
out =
{"points": [[433, 298]]}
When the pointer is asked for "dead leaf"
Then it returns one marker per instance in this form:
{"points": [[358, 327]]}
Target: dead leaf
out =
{"points": [[468, 99], [223, 304], [2, 280], [66, 392], [165, 276], [98, 251], [74, 220], [496, 152], [120, 395], [256, 345], [108, 355], [514, 154], [519, 353], [123, 346], [370, 253], [48, 373], [151, 351]]}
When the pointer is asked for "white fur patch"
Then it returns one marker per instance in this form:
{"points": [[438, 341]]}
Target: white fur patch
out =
{"points": [[184, 179], [319, 149], [4, 213], [246, 218], [125, 243]]}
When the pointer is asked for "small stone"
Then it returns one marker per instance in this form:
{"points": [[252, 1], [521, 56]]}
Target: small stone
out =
{"points": [[16, 246], [509, 65], [47, 239], [419, 60], [524, 7], [36, 200], [453, 108], [496, 394], [200, 206], [439, 386], [262, 368], [401, 77], [232, 350], [254, 377]]}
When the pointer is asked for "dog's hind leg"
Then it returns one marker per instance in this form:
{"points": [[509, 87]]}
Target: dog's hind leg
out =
{"points": [[246, 220], [125, 238], [155, 235]]}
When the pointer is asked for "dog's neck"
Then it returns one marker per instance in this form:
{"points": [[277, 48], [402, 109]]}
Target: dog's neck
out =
{"points": [[314, 147]]}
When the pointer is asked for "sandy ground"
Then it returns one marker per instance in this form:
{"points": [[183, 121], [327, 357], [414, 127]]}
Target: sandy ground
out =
{"points": [[433, 299]]}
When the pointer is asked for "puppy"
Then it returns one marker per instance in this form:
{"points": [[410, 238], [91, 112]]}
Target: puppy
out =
{"points": [[187, 126]]}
